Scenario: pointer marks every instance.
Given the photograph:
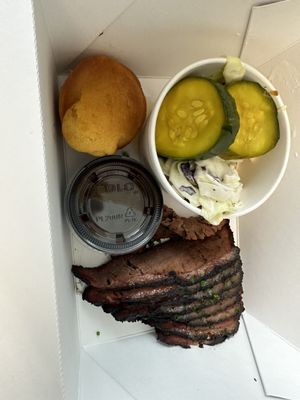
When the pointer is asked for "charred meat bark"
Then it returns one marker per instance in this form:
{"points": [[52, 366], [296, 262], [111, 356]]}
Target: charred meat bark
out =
{"points": [[192, 228], [164, 264], [174, 340], [157, 293], [222, 315], [134, 312], [188, 288], [195, 305], [224, 328]]}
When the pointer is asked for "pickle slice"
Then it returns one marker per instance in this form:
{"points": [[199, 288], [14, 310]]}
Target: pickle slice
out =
{"points": [[259, 128], [197, 119]]}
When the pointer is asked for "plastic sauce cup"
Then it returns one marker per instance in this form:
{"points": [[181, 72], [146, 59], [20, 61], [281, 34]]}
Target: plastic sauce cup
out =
{"points": [[114, 205]]}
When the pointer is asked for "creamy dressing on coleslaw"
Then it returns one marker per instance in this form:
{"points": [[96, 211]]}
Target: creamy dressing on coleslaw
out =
{"points": [[212, 185]]}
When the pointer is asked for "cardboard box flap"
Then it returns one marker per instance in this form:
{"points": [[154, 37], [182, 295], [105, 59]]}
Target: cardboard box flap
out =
{"points": [[269, 236], [272, 29], [151, 371], [175, 32], [278, 361], [97, 384], [32, 359], [73, 26], [272, 256]]}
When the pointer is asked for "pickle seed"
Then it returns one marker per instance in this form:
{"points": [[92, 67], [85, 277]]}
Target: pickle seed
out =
{"points": [[200, 119], [188, 132], [178, 132], [198, 112], [181, 113], [197, 103]]}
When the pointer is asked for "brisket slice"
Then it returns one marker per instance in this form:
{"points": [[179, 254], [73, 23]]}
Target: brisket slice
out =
{"points": [[206, 332], [214, 292], [206, 311], [164, 233], [165, 296], [136, 312], [156, 293], [114, 298], [164, 263], [195, 305], [192, 228], [140, 311], [174, 227], [222, 315], [174, 340]]}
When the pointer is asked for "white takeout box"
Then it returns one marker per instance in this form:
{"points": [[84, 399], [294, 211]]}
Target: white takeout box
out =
{"points": [[49, 343]]}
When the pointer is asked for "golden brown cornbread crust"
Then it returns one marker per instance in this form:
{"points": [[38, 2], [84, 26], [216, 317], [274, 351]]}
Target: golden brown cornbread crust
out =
{"points": [[101, 106]]}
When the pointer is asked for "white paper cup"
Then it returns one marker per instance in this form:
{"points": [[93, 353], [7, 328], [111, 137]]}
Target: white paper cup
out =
{"points": [[260, 176]]}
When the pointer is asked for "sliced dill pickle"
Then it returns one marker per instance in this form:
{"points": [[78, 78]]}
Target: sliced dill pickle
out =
{"points": [[197, 119], [259, 128]]}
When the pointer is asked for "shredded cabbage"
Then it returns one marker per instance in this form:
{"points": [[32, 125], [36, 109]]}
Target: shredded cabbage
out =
{"points": [[233, 70], [213, 185]]}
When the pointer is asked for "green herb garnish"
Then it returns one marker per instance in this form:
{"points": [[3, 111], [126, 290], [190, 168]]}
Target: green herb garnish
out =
{"points": [[228, 283], [237, 310]]}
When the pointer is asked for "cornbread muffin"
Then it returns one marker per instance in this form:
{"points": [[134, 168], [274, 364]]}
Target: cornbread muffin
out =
{"points": [[101, 106]]}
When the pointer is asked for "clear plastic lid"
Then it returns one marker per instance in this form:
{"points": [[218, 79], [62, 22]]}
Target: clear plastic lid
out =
{"points": [[114, 204]]}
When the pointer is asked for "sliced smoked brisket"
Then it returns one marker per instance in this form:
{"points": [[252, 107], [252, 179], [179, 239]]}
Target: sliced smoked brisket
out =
{"points": [[164, 292], [134, 312], [221, 315], [192, 228], [169, 263], [194, 305], [206, 332], [174, 340], [188, 288]]}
